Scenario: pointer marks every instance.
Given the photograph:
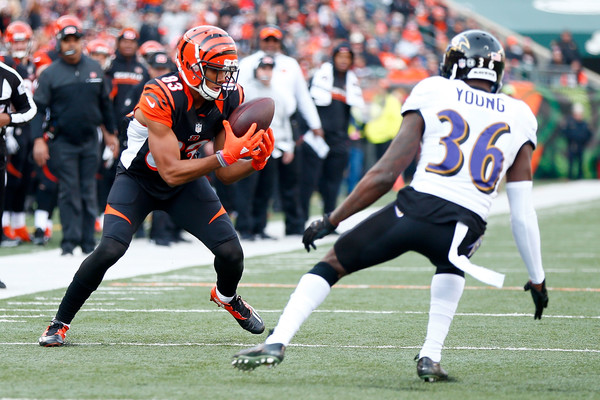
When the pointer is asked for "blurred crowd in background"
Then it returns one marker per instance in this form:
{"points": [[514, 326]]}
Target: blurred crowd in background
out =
{"points": [[400, 40], [395, 43]]}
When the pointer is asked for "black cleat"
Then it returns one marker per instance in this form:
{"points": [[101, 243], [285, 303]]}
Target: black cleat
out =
{"points": [[263, 354], [54, 334], [2, 285], [430, 371], [243, 312], [39, 237]]}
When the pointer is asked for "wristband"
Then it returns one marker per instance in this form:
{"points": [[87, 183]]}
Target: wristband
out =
{"points": [[221, 159]]}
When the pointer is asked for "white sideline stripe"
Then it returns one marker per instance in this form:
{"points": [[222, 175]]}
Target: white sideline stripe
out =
{"points": [[348, 346], [191, 311], [143, 258]]}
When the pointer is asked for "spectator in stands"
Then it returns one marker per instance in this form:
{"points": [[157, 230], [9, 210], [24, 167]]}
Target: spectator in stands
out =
{"points": [[513, 49], [576, 75], [556, 56], [578, 134], [568, 47], [357, 43], [404, 7], [528, 60], [149, 29], [384, 117]]}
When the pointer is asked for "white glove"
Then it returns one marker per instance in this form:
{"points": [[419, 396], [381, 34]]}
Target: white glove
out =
{"points": [[12, 146], [108, 157]]}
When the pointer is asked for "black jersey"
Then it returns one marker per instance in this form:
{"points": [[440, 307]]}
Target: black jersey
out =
{"points": [[168, 100]]}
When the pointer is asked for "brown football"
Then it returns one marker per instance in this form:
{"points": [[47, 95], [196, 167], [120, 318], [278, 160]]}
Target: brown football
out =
{"points": [[259, 110]]}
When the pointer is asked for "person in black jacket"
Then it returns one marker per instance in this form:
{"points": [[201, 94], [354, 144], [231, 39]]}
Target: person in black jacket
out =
{"points": [[335, 89], [15, 97], [578, 134], [125, 72], [72, 89]]}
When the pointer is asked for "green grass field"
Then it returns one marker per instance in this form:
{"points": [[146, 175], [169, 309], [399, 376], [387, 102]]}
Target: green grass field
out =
{"points": [[159, 337]]}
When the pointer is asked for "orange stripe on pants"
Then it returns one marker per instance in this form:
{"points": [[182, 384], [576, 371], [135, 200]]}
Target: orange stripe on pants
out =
{"points": [[111, 211], [218, 214]]}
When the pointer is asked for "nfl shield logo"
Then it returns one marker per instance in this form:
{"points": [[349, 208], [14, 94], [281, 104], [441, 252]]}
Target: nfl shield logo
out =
{"points": [[198, 128]]}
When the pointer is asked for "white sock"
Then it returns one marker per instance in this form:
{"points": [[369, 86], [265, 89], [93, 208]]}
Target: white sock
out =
{"points": [[17, 219], [309, 294], [446, 290], [223, 298], [40, 219], [6, 219]]}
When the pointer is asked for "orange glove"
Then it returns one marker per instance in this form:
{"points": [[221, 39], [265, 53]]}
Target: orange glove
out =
{"points": [[266, 146], [238, 147]]}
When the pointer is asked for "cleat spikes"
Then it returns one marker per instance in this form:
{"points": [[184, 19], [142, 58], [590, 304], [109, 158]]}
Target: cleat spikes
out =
{"points": [[430, 371], [264, 354]]}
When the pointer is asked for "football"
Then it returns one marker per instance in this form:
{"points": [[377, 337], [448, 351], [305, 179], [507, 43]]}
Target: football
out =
{"points": [[259, 110]]}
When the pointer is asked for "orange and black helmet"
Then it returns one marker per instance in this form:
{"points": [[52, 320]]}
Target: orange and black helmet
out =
{"points": [[205, 47]]}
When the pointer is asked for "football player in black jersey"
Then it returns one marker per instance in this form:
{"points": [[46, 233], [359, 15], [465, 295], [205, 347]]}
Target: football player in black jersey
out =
{"points": [[162, 169]]}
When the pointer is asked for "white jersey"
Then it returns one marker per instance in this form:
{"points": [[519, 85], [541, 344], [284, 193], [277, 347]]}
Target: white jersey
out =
{"points": [[470, 140]]}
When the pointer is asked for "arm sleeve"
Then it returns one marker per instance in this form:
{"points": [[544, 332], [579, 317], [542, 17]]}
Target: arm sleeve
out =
{"points": [[525, 228]]}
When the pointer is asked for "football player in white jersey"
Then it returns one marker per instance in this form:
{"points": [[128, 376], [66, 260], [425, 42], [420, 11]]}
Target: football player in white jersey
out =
{"points": [[469, 137]]}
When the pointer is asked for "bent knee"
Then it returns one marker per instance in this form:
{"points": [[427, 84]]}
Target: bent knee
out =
{"points": [[110, 249], [229, 253]]}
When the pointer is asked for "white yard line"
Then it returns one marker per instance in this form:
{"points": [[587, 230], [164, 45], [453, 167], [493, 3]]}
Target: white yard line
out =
{"points": [[264, 311], [47, 270], [350, 346]]}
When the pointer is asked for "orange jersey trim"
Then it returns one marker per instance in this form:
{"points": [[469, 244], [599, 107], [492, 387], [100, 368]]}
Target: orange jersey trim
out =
{"points": [[218, 214], [11, 170], [219, 102], [121, 81], [111, 211], [49, 174], [338, 97]]}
